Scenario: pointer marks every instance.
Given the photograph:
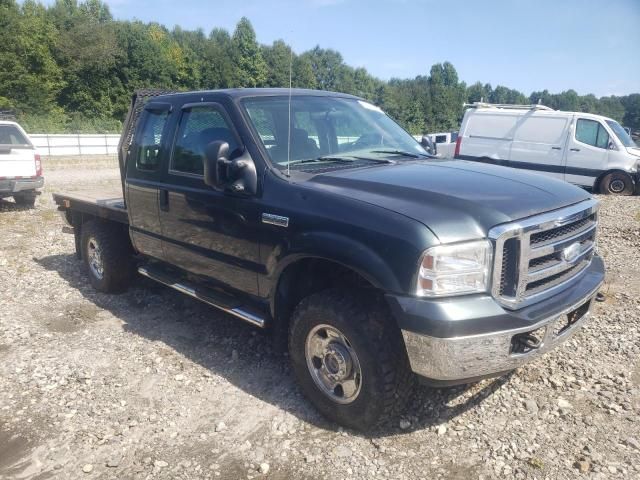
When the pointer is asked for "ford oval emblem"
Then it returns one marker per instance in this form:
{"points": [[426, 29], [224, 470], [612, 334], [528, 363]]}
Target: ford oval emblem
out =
{"points": [[572, 252]]}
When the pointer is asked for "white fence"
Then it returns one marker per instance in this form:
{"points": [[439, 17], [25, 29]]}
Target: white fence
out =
{"points": [[75, 144]]}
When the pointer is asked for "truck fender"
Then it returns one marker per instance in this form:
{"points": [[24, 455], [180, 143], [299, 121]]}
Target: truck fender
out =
{"points": [[335, 248]]}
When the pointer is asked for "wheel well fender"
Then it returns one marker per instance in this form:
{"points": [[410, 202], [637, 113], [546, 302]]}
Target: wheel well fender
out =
{"points": [[596, 183], [321, 261]]}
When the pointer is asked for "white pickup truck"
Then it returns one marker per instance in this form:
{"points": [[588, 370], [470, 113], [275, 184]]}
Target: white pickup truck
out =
{"points": [[20, 165]]}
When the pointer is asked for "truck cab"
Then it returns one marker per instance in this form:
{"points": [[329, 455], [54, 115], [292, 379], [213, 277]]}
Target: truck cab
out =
{"points": [[313, 215]]}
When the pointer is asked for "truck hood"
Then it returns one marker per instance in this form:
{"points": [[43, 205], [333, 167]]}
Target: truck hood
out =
{"points": [[634, 151], [456, 199]]}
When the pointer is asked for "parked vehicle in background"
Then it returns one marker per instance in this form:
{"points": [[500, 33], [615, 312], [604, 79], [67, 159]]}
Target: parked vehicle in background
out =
{"points": [[441, 145], [581, 148], [20, 165], [374, 262]]}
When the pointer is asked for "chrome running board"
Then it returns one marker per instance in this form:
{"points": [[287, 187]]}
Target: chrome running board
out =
{"points": [[188, 289]]}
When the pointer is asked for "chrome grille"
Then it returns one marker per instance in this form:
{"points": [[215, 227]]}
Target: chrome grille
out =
{"points": [[538, 256]]}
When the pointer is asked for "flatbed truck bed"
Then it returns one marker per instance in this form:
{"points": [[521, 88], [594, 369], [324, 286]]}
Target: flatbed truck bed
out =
{"points": [[107, 203]]}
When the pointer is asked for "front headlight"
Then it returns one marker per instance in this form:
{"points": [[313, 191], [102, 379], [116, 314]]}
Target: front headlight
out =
{"points": [[456, 269]]}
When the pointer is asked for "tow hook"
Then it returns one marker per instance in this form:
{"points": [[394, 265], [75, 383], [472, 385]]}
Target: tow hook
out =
{"points": [[527, 342]]}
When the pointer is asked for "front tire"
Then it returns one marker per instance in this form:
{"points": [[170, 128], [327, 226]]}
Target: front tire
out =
{"points": [[349, 358], [25, 199], [107, 255], [616, 183]]}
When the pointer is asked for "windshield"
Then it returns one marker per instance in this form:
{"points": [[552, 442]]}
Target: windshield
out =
{"points": [[621, 133], [327, 129]]}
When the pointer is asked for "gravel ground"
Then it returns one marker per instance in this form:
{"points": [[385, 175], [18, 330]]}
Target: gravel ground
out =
{"points": [[152, 384]]}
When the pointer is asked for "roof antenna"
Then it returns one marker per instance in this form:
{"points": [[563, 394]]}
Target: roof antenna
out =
{"points": [[289, 119]]}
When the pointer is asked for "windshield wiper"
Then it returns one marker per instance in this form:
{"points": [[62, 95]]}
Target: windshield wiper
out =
{"points": [[337, 159], [399, 152], [326, 158]]}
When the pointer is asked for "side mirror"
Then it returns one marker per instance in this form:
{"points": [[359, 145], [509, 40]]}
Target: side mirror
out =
{"points": [[216, 163], [611, 146], [237, 176], [428, 145]]}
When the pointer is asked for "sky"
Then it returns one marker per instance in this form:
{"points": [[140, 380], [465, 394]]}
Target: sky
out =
{"points": [[589, 46]]}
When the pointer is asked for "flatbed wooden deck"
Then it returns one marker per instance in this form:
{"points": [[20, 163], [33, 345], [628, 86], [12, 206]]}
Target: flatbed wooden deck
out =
{"points": [[102, 202]]}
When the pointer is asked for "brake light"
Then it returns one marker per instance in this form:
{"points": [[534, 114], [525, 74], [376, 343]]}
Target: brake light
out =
{"points": [[38, 165], [458, 143]]}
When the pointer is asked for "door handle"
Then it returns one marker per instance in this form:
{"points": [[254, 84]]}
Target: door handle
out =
{"points": [[574, 149], [164, 200], [556, 148]]}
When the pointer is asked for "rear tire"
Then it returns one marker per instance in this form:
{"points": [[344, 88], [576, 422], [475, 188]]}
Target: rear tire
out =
{"points": [[370, 342], [25, 199], [108, 256], [616, 183]]}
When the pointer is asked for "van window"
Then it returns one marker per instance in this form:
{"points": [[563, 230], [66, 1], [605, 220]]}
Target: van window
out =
{"points": [[199, 126], [499, 126], [592, 133], [545, 129], [441, 139], [150, 139]]}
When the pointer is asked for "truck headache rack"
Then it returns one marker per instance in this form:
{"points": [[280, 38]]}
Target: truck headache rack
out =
{"points": [[138, 101], [9, 115], [506, 105]]}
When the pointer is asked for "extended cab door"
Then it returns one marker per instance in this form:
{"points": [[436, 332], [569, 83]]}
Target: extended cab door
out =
{"points": [[588, 152], [144, 172], [206, 231]]}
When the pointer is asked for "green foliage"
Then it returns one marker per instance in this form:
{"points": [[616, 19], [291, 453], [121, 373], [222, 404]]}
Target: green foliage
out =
{"points": [[70, 67], [251, 67]]}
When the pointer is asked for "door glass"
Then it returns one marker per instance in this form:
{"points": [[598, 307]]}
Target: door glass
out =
{"points": [[592, 133], [149, 145], [199, 126], [603, 137]]}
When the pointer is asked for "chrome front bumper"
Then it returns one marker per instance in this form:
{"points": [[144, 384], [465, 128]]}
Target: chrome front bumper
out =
{"points": [[453, 360], [20, 184]]}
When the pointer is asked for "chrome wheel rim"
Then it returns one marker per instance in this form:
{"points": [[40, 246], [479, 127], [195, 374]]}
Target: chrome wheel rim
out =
{"points": [[616, 186], [333, 364], [94, 255]]}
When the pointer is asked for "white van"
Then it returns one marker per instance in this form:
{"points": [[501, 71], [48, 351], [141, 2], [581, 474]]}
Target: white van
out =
{"points": [[20, 165], [581, 148]]}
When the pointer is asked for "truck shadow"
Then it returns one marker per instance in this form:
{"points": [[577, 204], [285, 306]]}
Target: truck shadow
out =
{"points": [[9, 206], [242, 354]]}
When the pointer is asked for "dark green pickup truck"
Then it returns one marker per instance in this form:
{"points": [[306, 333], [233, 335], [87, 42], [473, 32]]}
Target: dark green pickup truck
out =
{"points": [[314, 215]]}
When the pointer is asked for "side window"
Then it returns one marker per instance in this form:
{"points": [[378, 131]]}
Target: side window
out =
{"points": [[592, 133], [199, 126], [150, 139], [441, 139]]}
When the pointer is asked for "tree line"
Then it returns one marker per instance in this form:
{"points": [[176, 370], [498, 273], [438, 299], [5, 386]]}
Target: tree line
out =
{"points": [[71, 67]]}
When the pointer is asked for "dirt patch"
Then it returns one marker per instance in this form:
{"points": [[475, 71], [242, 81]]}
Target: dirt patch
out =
{"points": [[152, 384], [13, 451], [74, 318]]}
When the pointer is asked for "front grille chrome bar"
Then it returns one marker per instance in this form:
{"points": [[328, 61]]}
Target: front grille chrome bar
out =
{"points": [[538, 267]]}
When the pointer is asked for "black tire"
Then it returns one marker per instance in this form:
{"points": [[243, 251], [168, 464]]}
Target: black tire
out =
{"points": [[113, 271], [25, 199], [386, 379], [616, 183]]}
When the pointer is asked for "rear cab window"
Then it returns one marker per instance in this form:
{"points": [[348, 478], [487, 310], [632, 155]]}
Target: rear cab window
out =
{"points": [[11, 135], [148, 156], [591, 132]]}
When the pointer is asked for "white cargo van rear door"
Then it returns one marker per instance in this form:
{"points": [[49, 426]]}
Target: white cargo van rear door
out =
{"points": [[588, 152], [539, 143], [17, 155]]}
